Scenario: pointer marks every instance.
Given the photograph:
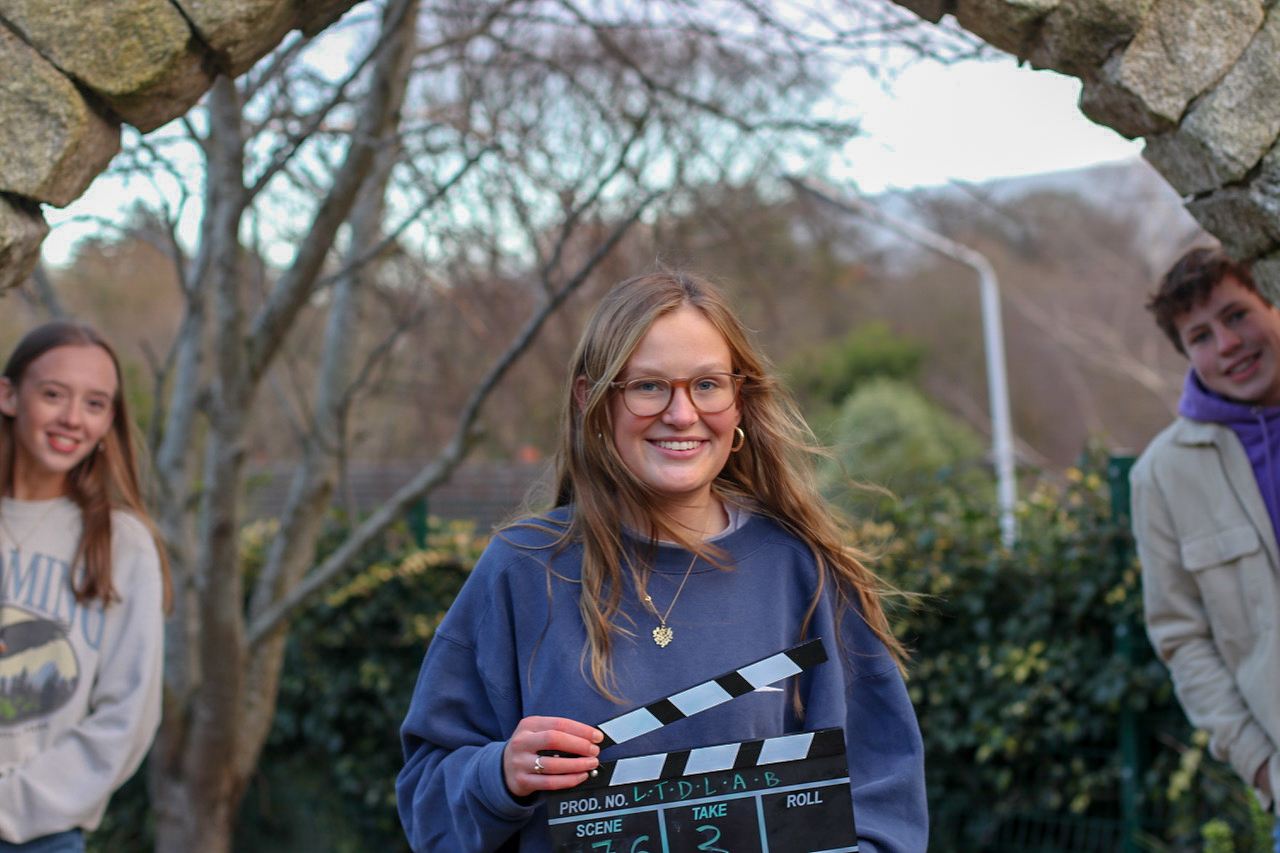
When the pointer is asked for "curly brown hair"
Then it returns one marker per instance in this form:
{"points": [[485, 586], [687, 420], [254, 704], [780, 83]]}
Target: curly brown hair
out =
{"points": [[1188, 284]]}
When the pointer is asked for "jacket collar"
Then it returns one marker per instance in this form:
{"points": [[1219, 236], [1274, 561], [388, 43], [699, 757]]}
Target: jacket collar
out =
{"points": [[1188, 431], [1237, 470]]}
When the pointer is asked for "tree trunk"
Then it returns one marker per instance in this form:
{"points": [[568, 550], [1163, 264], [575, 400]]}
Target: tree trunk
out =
{"points": [[222, 689]]}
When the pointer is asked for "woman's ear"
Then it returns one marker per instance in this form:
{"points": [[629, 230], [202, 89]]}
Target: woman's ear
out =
{"points": [[8, 398], [580, 393]]}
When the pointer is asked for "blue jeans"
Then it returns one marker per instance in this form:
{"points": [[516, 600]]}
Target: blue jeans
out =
{"points": [[71, 841], [1275, 833]]}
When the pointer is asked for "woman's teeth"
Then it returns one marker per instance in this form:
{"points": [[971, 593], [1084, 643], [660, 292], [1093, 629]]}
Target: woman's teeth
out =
{"points": [[677, 445]]}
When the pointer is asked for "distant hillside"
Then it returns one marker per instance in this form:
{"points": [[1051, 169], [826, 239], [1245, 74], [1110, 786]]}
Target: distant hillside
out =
{"points": [[1130, 189], [1076, 254]]}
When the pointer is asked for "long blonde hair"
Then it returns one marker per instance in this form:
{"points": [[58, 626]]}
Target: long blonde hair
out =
{"points": [[103, 480], [773, 473]]}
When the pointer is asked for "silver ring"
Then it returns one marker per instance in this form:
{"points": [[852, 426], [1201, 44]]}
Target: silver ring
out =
{"points": [[537, 764]]}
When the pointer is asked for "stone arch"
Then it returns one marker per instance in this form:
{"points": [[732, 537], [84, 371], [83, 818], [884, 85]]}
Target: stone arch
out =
{"points": [[74, 71], [1197, 80]]}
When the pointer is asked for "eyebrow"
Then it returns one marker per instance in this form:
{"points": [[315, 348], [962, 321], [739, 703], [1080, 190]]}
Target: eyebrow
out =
{"points": [[1188, 331], [641, 372], [92, 392], [1230, 307]]}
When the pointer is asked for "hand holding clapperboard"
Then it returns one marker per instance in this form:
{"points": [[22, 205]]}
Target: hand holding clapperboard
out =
{"points": [[786, 794]]}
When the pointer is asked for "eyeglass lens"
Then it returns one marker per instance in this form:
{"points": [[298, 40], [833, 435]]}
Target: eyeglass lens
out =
{"points": [[710, 394]]}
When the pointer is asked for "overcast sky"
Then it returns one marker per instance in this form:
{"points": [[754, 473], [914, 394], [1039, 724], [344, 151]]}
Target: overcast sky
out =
{"points": [[973, 121]]}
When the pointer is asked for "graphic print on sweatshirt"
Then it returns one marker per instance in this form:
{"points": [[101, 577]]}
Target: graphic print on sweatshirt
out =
{"points": [[40, 624], [38, 667]]}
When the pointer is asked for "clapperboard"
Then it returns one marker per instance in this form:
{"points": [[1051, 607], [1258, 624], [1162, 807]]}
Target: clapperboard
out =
{"points": [[786, 794]]}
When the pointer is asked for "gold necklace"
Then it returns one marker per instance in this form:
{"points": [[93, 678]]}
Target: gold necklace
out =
{"points": [[34, 529], [663, 635]]}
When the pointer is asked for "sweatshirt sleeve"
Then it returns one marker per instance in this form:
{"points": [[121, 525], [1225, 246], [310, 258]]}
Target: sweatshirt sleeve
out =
{"points": [[69, 783], [450, 794], [1180, 631], [886, 761]]}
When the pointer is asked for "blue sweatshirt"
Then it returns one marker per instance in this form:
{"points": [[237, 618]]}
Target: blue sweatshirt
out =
{"points": [[1257, 427], [512, 646]]}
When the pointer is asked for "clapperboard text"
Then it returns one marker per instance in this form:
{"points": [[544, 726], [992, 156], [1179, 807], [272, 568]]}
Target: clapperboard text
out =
{"points": [[787, 794]]}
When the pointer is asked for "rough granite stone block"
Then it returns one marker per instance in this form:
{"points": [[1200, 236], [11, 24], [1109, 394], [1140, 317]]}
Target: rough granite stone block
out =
{"points": [[315, 15], [22, 230], [930, 10], [139, 56], [1266, 275], [1107, 103], [54, 143], [1183, 48], [1246, 218], [239, 32], [1011, 25], [1079, 35], [1226, 132]]}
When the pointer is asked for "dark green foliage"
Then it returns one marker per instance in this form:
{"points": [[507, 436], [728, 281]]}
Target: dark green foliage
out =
{"points": [[127, 825], [327, 775], [325, 782], [823, 376], [1036, 689], [889, 435]]}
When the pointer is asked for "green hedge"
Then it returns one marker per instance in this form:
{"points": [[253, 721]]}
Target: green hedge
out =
{"points": [[1049, 725], [326, 782]]}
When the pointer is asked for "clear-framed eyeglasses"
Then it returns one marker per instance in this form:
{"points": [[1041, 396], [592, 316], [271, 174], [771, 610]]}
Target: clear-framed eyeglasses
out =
{"points": [[650, 395]]}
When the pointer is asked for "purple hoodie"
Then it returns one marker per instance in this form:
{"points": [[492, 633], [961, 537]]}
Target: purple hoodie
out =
{"points": [[1257, 427]]}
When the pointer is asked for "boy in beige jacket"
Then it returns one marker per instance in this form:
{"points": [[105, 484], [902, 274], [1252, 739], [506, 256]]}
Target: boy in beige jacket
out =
{"points": [[1206, 511]]}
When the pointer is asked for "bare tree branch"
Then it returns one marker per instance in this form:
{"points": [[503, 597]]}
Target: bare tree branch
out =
{"points": [[439, 470], [1102, 347], [46, 296], [299, 281]]}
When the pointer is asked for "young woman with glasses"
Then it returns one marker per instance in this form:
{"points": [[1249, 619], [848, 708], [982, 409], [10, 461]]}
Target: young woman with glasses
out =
{"points": [[687, 538], [83, 588]]}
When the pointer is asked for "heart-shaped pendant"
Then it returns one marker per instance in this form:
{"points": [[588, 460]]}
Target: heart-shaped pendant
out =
{"points": [[663, 635]]}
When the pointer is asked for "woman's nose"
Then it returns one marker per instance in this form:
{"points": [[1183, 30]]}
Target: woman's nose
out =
{"points": [[70, 413], [680, 411]]}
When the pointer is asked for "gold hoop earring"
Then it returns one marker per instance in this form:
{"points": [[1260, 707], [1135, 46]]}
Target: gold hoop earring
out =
{"points": [[739, 440]]}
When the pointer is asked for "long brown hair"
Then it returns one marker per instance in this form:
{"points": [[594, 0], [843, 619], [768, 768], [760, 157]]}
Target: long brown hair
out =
{"points": [[773, 473], [103, 480]]}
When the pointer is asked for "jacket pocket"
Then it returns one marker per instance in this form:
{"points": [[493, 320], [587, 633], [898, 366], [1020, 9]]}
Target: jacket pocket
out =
{"points": [[1219, 547], [1221, 562]]}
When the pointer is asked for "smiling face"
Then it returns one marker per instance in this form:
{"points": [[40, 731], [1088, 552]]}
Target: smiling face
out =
{"points": [[62, 406], [680, 451], [1233, 341]]}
